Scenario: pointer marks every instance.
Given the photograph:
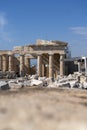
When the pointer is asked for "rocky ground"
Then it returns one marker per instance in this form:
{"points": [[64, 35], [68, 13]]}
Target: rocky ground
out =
{"points": [[43, 109]]}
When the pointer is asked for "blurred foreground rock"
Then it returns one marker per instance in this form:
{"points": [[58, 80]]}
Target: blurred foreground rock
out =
{"points": [[43, 109]]}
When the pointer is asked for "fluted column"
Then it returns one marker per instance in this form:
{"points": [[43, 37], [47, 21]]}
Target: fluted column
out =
{"points": [[79, 66], [21, 65], [39, 65], [62, 67], [51, 65], [0, 62], [4, 64], [27, 65], [10, 62]]}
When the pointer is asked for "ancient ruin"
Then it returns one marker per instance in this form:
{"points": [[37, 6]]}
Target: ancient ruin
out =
{"points": [[50, 57], [55, 66]]}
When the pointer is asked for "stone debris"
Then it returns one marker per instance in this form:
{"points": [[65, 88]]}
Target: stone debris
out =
{"points": [[7, 75], [33, 76], [4, 85], [15, 84], [27, 83], [35, 82], [76, 80]]}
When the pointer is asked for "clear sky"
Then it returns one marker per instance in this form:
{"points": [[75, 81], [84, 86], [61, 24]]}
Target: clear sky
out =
{"points": [[24, 21]]}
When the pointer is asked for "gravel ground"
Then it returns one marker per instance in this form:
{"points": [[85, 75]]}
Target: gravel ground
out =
{"points": [[43, 109]]}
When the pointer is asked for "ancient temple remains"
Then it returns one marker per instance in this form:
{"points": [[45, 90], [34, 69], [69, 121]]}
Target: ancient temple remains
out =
{"points": [[50, 57]]}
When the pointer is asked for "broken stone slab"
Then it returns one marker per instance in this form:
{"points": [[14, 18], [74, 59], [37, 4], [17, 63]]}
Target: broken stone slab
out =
{"points": [[72, 83], [41, 78], [4, 85], [79, 85], [53, 85], [13, 84], [83, 79], [84, 85], [63, 85], [16, 85], [33, 77], [21, 79], [35, 82], [12, 81], [27, 83], [44, 80], [78, 73], [48, 81]]}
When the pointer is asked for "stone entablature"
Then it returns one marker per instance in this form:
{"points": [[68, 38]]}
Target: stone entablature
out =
{"points": [[32, 49], [44, 42], [5, 52], [42, 46]]}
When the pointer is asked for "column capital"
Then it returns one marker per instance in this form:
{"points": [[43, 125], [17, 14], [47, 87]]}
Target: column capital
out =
{"points": [[39, 54], [62, 57], [9, 53], [51, 54]]}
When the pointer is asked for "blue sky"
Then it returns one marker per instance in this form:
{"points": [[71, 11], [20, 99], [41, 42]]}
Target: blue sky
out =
{"points": [[24, 21]]}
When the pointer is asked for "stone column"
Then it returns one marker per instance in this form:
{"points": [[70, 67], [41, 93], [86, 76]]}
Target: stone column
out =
{"points": [[79, 66], [4, 64], [21, 65], [0, 62], [62, 67], [10, 62], [85, 60], [51, 65], [43, 70], [27, 65], [39, 65]]}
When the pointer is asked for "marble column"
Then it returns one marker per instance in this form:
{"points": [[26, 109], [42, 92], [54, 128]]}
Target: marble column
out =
{"points": [[21, 65], [4, 64], [39, 65], [27, 65], [85, 60], [62, 67], [0, 62], [79, 66], [51, 65], [43, 70], [10, 62]]}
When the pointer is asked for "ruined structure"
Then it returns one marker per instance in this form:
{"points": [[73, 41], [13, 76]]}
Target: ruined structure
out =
{"points": [[79, 63], [50, 57]]}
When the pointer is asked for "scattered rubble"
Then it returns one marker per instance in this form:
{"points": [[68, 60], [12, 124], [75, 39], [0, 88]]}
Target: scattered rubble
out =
{"points": [[7, 75], [76, 80]]}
